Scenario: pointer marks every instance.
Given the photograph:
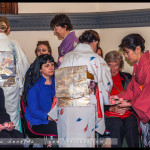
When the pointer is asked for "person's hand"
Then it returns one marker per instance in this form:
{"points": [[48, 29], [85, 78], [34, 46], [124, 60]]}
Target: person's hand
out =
{"points": [[49, 118], [91, 87], [60, 59], [123, 103], [1, 127], [9, 126], [118, 109], [113, 97]]}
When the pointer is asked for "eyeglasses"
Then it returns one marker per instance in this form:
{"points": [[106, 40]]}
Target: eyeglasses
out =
{"points": [[41, 50], [115, 66]]}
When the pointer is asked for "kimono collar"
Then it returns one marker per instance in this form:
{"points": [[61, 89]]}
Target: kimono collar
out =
{"points": [[144, 57], [83, 47], [3, 36], [140, 70], [71, 32]]}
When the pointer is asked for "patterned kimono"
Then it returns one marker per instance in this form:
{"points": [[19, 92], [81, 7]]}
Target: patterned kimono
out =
{"points": [[77, 125], [67, 45], [12, 93]]}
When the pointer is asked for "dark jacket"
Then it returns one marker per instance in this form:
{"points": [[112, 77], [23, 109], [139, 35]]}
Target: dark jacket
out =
{"points": [[4, 116]]}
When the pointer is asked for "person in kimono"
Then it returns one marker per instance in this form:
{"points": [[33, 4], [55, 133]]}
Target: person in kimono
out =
{"points": [[137, 90], [61, 24], [14, 67], [120, 122], [80, 123]]}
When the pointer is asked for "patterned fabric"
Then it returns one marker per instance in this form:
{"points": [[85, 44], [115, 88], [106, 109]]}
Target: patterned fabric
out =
{"points": [[80, 123], [12, 93]]}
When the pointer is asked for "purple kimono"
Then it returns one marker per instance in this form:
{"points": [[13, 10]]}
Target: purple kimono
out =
{"points": [[67, 45]]}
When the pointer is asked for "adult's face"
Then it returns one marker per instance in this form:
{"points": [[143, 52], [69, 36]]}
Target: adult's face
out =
{"points": [[94, 45], [59, 31], [99, 52], [47, 69], [42, 49], [133, 56], [114, 68]]}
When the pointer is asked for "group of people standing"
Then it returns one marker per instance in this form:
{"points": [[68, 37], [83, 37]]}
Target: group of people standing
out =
{"points": [[106, 82]]}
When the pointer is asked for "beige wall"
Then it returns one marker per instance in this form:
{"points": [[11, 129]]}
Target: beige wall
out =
{"points": [[58, 7], [110, 37], [104, 7], [78, 7]]}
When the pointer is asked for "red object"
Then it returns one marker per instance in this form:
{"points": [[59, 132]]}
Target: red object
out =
{"points": [[98, 103], [118, 85], [54, 102]]}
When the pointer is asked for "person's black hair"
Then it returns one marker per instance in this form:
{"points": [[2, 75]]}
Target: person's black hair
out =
{"points": [[89, 36], [131, 41], [61, 19], [35, 75]]}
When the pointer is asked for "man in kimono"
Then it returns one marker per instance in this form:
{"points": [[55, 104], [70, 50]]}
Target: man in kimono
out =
{"points": [[14, 72], [77, 125], [62, 27]]}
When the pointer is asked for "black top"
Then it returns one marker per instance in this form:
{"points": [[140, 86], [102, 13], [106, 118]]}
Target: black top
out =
{"points": [[4, 116]]}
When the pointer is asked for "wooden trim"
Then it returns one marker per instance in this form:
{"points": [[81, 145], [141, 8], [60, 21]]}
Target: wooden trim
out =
{"points": [[9, 8]]}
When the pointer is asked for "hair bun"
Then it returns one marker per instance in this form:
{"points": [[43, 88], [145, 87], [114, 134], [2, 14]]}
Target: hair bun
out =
{"points": [[3, 26]]}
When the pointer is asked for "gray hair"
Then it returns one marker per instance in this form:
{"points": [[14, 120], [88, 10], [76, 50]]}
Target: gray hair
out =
{"points": [[114, 56]]}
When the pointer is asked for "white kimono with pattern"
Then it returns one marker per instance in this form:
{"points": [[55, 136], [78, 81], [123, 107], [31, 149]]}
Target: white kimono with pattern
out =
{"points": [[12, 93], [77, 125]]}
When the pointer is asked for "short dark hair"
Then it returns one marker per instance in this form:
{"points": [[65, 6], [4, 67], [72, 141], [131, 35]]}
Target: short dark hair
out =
{"points": [[46, 43], [89, 36], [61, 19], [131, 41]]}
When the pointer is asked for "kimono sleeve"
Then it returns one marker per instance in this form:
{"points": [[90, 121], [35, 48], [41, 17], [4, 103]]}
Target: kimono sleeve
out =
{"points": [[22, 64], [69, 46], [104, 79], [141, 104]]}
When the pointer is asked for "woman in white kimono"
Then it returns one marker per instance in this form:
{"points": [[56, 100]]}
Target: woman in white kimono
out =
{"points": [[77, 125], [16, 66]]}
